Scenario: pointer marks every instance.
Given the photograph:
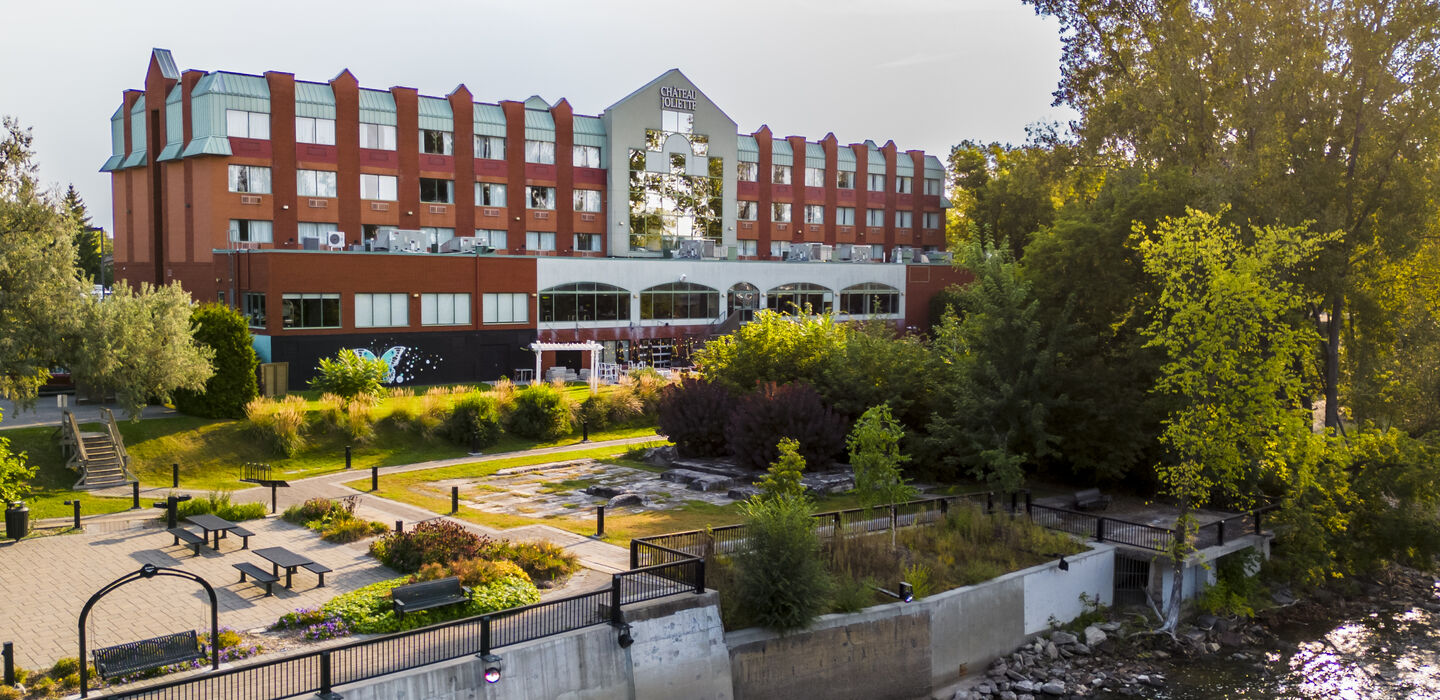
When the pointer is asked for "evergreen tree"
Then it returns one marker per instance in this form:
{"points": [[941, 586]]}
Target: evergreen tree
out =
{"points": [[91, 243], [225, 331]]}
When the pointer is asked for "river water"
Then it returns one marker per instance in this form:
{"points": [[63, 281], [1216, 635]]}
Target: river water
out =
{"points": [[1393, 654]]}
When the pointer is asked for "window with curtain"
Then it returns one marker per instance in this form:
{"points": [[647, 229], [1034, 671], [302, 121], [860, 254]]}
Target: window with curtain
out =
{"points": [[505, 308], [247, 125], [542, 152], [315, 183], [382, 310], [380, 137], [490, 147], [315, 130], [489, 194], [251, 231], [444, 309], [252, 179], [437, 142]]}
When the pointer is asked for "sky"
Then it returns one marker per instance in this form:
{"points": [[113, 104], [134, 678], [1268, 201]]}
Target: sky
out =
{"points": [[926, 74]]}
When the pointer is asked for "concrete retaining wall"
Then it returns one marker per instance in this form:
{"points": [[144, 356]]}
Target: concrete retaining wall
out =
{"points": [[906, 650]]}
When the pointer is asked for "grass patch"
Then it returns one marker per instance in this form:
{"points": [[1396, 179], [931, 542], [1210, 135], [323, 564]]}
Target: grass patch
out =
{"points": [[567, 485]]}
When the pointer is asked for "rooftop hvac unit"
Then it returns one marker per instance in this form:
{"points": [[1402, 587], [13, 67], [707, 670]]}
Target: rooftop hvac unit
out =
{"points": [[308, 243], [827, 253], [690, 249], [459, 244], [800, 253], [335, 240], [407, 241], [842, 252], [386, 239], [709, 248], [860, 254]]}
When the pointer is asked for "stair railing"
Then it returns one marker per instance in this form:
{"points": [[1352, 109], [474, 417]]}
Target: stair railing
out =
{"points": [[118, 442], [79, 458]]}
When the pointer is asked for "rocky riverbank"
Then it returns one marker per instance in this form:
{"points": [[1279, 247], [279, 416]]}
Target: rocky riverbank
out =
{"points": [[1123, 657]]}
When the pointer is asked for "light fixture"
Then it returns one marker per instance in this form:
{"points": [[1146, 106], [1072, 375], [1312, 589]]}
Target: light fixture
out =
{"points": [[1064, 565], [907, 592], [493, 666], [285, 206], [626, 639], [409, 213]]}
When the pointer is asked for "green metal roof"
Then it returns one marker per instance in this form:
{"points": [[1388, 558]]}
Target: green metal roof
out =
{"points": [[489, 120], [780, 153], [377, 107], [174, 126], [845, 158], [167, 63], [749, 150], [537, 102], [904, 166], [814, 155], [207, 146], [117, 140], [874, 159], [207, 124], [435, 113], [137, 136], [315, 100], [539, 126], [945, 202], [933, 167], [589, 125], [236, 84]]}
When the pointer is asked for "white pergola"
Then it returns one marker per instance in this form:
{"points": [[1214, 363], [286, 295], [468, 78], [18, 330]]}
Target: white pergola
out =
{"points": [[592, 346]]}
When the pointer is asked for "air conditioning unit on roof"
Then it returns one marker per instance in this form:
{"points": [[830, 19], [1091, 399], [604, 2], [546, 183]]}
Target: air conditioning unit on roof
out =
{"points": [[335, 240]]}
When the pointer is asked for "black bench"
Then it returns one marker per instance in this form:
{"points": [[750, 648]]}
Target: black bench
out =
{"points": [[125, 659], [192, 540], [428, 594], [260, 575], [1091, 499], [244, 534], [317, 568]]}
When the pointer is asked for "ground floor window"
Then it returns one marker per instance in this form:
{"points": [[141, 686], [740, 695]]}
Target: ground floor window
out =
{"points": [[800, 298], [382, 310], [310, 310], [870, 298], [655, 352], [505, 308], [444, 309], [615, 351], [253, 306]]}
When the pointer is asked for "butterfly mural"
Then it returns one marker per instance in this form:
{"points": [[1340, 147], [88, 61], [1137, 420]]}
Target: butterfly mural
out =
{"points": [[391, 358]]}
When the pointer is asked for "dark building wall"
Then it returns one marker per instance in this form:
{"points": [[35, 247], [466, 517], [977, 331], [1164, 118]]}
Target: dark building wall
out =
{"points": [[430, 357]]}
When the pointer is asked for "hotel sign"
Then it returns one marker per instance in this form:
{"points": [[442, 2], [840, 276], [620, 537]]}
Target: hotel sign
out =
{"points": [[677, 98]]}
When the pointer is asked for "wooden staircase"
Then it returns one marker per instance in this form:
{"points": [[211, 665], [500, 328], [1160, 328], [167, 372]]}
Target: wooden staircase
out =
{"points": [[99, 457]]}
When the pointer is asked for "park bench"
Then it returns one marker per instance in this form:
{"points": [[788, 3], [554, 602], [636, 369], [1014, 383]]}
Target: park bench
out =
{"points": [[244, 535], [133, 657], [192, 540], [317, 568], [428, 594], [1091, 499], [260, 575]]}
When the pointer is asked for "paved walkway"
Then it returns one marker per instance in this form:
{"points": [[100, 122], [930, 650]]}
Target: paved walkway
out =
{"points": [[45, 581], [46, 412]]}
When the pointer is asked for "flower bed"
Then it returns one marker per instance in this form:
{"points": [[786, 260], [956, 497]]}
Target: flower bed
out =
{"points": [[334, 520]]}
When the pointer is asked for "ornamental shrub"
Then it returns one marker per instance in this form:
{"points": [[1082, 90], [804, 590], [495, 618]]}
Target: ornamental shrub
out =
{"points": [[759, 420], [350, 375], [430, 542], [226, 331], [782, 583], [219, 503], [542, 562], [278, 423], [369, 610], [475, 420], [542, 412], [693, 415]]}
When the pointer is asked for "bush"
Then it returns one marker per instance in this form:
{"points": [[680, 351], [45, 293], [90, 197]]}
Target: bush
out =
{"points": [[9, 693], [475, 420], [64, 667], [782, 583], [760, 419], [311, 510], [278, 423], [350, 375], [646, 385], [233, 385], [218, 503], [693, 414], [370, 610], [542, 562], [616, 407], [351, 530], [430, 542], [541, 412]]}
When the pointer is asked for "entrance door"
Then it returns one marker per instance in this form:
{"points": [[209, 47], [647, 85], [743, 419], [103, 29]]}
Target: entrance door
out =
{"points": [[744, 298]]}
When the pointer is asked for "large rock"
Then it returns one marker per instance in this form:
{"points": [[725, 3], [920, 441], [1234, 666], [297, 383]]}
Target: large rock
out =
{"points": [[604, 491], [1094, 636], [1061, 638], [741, 493], [629, 498], [681, 476], [710, 482], [1053, 688], [659, 456]]}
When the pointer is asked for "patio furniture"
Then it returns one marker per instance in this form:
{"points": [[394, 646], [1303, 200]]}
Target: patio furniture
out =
{"points": [[243, 534], [133, 657], [317, 568], [279, 558], [191, 539], [524, 375], [212, 524], [260, 575], [1091, 499], [429, 594]]}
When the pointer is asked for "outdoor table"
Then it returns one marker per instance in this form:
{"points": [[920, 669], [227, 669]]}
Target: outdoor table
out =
{"points": [[212, 523], [282, 557]]}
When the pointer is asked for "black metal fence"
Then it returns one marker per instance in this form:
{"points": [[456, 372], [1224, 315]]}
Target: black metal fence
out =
{"points": [[319, 671]]}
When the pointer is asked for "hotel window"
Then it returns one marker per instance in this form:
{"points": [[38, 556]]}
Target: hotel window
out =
{"points": [[814, 214], [845, 216], [700, 144], [495, 238], [877, 183], [748, 210], [587, 200], [436, 142], [869, 298], [251, 231], [780, 212], [435, 235], [253, 179], [903, 184], [315, 183], [587, 242], [310, 310], [490, 147], [444, 309], [747, 172], [382, 310], [877, 252], [747, 248], [377, 136], [307, 230], [677, 163], [315, 130], [780, 175], [677, 122], [932, 186], [437, 191], [381, 187], [542, 152], [540, 197], [583, 301], [874, 217], [932, 220], [845, 180], [778, 249], [799, 298], [505, 308], [489, 194], [247, 125], [539, 240], [814, 177], [903, 219], [253, 306], [585, 157], [679, 300]]}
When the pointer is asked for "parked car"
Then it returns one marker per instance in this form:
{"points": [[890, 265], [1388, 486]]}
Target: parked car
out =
{"points": [[59, 382]]}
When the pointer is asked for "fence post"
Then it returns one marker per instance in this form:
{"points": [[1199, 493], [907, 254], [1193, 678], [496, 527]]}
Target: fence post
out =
{"points": [[944, 507], [76, 504], [374, 477], [1027, 501], [175, 475], [1015, 502], [347, 456], [600, 520], [616, 617], [485, 635], [634, 554], [9, 653], [699, 575], [326, 691], [989, 502], [1257, 521], [1220, 533], [837, 524], [134, 495], [399, 527], [1100, 529], [454, 500]]}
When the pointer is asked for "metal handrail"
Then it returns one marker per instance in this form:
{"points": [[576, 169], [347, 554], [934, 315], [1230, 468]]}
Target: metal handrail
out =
{"points": [[119, 443]]}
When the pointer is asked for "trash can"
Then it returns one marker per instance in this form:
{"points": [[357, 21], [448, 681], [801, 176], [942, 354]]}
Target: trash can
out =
{"points": [[17, 520]]}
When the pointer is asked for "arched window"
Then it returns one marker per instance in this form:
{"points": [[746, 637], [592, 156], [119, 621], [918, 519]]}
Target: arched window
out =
{"points": [[744, 299], [584, 301], [870, 298], [800, 297], [679, 300]]}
